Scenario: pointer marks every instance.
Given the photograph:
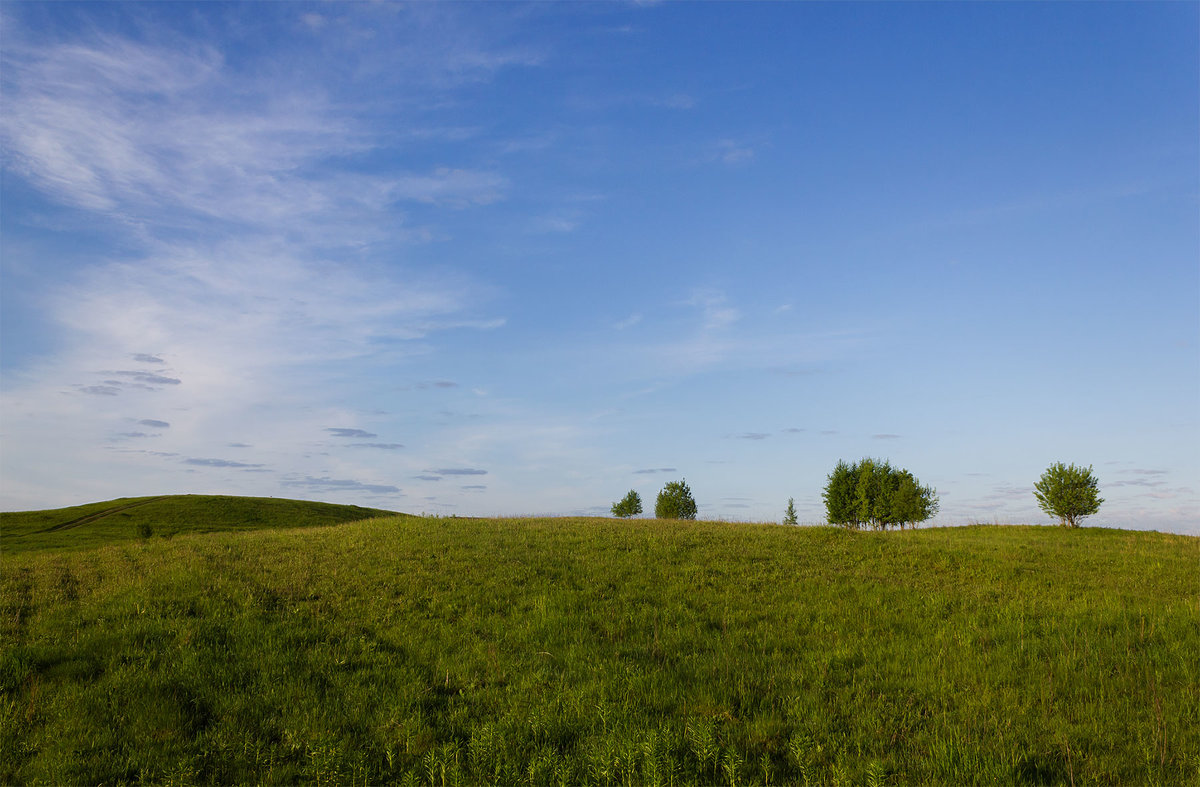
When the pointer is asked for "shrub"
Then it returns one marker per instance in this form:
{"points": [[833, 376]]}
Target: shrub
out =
{"points": [[875, 494], [1068, 492], [789, 516], [629, 505], [675, 501]]}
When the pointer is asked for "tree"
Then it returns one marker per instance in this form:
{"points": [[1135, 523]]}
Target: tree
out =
{"points": [[789, 516], [875, 494], [675, 501], [911, 502], [630, 505], [839, 496], [1068, 492]]}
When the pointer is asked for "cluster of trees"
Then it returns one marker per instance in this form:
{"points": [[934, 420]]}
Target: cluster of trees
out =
{"points": [[675, 501], [872, 494]]}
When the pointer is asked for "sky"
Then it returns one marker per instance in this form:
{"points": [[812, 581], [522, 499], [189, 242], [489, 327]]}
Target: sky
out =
{"points": [[512, 259]]}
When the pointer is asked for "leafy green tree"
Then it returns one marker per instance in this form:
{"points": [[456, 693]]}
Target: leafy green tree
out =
{"points": [[871, 502], [839, 496], [675, 501], [1068, 492], [911, 502], [629, 505], [872, 493], [789, 516]]}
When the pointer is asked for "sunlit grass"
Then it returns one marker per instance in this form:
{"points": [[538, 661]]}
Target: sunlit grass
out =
{"points": [[130, 518], [592, 651]]}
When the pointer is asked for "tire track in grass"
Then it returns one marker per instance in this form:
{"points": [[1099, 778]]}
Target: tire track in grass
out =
{"points": [[84, 520]]}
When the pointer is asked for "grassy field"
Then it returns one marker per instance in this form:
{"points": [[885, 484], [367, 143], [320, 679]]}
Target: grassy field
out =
{"points": [[129, 518], [590, 651]]}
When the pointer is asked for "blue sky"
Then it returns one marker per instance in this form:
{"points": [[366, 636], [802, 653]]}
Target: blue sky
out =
{"points": [[511, 259]]}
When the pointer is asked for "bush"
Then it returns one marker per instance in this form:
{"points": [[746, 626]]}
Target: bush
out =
{"points": [[1068, 492], [629, 506], [675, 501], [789, 516], [871, 493]]}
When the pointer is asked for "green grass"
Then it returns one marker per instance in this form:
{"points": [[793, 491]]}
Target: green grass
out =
{"points": [[130, 518], [592, 651]]}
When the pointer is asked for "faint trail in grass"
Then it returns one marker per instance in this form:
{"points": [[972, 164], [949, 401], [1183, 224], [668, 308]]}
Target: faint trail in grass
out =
{"points": [[21, 605], [83, 520]]}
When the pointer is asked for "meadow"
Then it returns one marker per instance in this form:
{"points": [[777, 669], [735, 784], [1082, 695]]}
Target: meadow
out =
{"points": [[420, 650]]}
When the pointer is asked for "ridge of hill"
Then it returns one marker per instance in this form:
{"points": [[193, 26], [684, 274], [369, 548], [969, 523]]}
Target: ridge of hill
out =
{"points": [[130, 518]]}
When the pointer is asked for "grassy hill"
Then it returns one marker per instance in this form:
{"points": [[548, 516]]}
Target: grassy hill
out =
{"points": [[129, 518], [592, 651]]}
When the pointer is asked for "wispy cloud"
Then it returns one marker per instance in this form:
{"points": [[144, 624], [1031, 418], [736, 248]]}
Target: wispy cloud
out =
{"points": [[715, 308], [729, 151], [651, 470], [218, 463], [457, 188], [147, 378], [554, 223], [459, 471], [247, 261], [628, 322], [327, 484], [99, 390], [85, 122], [338, 431]]}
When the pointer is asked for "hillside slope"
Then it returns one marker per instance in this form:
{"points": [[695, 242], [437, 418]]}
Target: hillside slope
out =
{"points": [[595, 651], [129, 518]]}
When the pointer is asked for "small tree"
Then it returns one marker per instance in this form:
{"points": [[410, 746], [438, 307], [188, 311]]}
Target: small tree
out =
{"points": [[630, 505], [675, 501], [1068, 492], [789, 516]]}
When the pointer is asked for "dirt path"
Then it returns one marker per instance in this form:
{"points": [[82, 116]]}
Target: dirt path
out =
{"points": [[83, 520]]}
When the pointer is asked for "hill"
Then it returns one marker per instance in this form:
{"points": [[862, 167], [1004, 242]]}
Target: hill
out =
{"points": [[130, 518], [593, 651]]}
